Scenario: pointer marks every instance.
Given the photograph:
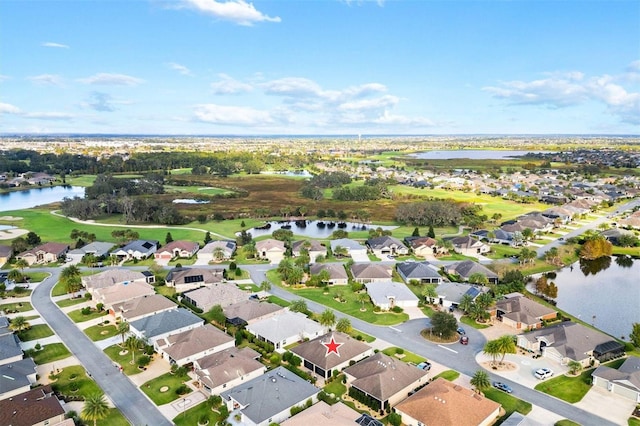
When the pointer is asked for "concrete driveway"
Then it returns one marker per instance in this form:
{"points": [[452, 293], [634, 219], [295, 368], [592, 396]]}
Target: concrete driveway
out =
{"points": [[525, 366], [605, 404]]}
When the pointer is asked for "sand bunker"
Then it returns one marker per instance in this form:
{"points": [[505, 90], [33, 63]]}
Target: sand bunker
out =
{"points": [[9, 234]]}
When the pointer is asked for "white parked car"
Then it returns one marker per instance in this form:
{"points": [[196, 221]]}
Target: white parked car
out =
{"points": [[543, 373]]}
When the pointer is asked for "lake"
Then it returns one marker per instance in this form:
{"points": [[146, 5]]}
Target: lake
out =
{"points": [[472, 154], [28, 198], [606, 296], [311, 228]]}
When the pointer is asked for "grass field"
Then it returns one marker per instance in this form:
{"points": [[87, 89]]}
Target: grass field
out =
{"points": [[16, 307], [49, 353], [123, 360], [70, 302], [38, 331], [449, 375], [101, 332], [195, 190], [73, 381], [170, 382], [509, 403], [408, 356], [77, 315], [196, 415], [471, 323]]}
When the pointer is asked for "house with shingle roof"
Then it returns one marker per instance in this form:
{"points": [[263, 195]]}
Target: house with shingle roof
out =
{"points": [[313, 247], [423, 272], [625, 381], [4, 327], [318, 360], [450, 293], [322, 413], [45, 253], [370, 272], [469, 246], [217, 251], [467, 268], [163, 324], [384, 378], [522, 313], [250, 311], [190, 345], [17, 377], [97, 248], [112, 277], [285, 328], [353, 247], [176, 249], [119, 293], [226, 369], [5, 254], [140, 307], [223, 294], [445, 403], [270, 249], [387, 246], [570, 341], [337, 273], [425, 247], [37, 406], [188, 278], [10, 350], [138, 249], [284, 390], [389, 294]]}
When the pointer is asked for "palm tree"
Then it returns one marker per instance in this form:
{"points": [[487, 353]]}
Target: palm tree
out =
{"points": [[123, 329], [506, 345], [15, 276], [491, 348], [19, 323], [21, 264], [327, 318], [298, 305], [362, 298], [430, 293], [466, 302], [480, 381], [71, 279], [265, 286], [95, 408], [343, 325], [478, 278], [132, 344], [218, 253]]}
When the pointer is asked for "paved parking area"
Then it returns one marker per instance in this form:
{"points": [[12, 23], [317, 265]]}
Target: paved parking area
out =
{"points": [[525, 366], [605, 404]]}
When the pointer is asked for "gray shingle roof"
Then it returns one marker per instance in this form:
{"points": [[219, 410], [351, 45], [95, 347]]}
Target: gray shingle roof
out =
{"points": [[417, 270], [466, 268], [381, 291], [165, 322], [571, 339], [9, 346], [15, 375], [316, 352], [96, 248], [273, 392]]}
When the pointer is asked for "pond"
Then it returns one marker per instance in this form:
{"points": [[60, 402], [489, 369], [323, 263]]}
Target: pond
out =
{"points": [[313, 228], [472, 154], [28, 198], [605, 293], [189, 201]]}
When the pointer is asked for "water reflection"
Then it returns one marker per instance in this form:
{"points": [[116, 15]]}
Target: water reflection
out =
{"points": [[624, 261], [313, 228], [592, 267]]}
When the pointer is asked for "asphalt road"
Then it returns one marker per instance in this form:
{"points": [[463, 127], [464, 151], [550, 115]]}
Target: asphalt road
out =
{"points": [[133, 404], [457, 357]]}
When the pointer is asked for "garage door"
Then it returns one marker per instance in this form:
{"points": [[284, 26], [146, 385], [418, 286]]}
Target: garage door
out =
{"points": [[626, 392]]}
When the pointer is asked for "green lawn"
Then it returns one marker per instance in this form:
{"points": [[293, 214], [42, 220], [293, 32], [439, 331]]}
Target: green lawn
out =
{"points": [[73, 381], [49, 353], [11, 308], [36, 277], [566, 422], [278, 301], [59, 289], [101, 332], [70, 302], [336, 387], [194, 416], [123, 360], [153, 387], [77, 316], [115, 418], [38, 331], [633, 421], [509, 403], [81, 180], [449, 375], [472, 323], [351, 306], [408, 356]]}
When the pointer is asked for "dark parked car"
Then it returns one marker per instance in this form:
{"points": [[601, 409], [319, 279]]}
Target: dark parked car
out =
{"points": [[461, 331], [464, 340], [503, 387], [426, 366]]}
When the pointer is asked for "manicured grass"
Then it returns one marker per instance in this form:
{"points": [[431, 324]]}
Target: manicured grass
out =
{"points": [[194, 415], [195, 190], [509, 403], [633, 421], [114, 418], [78, 316], [49, 353], [500, 251], [278, 301], [172, 381], [59, 289], [569, 389], [124, 360], [449, 375], [566, 422], [165, 291], [355, 333], [351, 306], [16, 307], [73, 381], [70, 302], [336, 387], [471, 323], [101, 332], [81, 180], [408, 356], [38, 331]]}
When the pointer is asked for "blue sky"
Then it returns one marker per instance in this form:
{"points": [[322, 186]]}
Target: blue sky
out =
{"points": [[320, 67]]}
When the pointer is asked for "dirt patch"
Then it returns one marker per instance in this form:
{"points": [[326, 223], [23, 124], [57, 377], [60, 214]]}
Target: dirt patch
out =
{"points": [[497, 366]]}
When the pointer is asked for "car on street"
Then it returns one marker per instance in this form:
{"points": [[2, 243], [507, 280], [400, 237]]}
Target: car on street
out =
{"points": [[426, 366], [503, 387], [461, 331], [464, 340], [543, 373]]}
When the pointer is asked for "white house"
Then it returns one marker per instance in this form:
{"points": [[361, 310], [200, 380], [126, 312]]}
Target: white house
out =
{"points": [[389, 294], [285, 328]]}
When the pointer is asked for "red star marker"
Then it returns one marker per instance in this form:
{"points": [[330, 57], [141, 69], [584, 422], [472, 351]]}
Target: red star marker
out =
{"points": [[332, 346]]}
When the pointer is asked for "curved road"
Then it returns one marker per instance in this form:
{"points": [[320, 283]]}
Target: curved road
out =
{"points": [[458, 357], [133, 404]]}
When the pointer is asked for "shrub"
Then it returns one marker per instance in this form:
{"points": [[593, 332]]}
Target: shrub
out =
{"points": [[144, 360], [397, 309], [399, 351], [86, 311], [99, 306], [182, 389]]}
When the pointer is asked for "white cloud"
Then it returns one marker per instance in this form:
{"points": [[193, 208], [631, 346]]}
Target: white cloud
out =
{"points": [[293, 86], [180, 68], [46, 80], [570, 89], [102, 102], [9, 109], [230, 86], [232, 115], [237, 11], [4, 77], [382, 102], [49, 116], [108, 79], [55, 45]]}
